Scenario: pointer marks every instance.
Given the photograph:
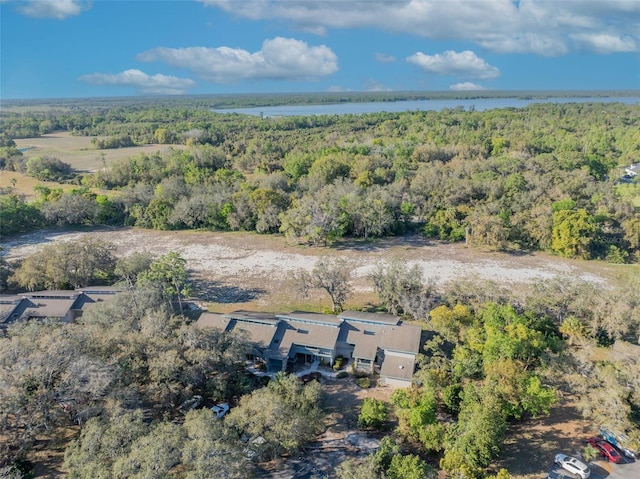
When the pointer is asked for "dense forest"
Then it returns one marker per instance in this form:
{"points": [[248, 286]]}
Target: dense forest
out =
{"points": [[546, 177]]}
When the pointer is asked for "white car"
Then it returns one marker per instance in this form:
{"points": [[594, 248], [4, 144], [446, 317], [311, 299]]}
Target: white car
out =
{"points": [[573, 465], [220, 410]]}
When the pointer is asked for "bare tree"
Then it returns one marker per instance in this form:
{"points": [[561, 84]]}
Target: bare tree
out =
{"points": [[329, 274], [403, 290]]}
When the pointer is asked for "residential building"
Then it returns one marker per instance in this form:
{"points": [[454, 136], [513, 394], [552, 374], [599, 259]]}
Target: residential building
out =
{"points": [[372, 341]]}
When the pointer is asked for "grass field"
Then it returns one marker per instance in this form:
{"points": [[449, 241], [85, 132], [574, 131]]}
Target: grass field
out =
{"points": [[79, 152], [24, 184]]}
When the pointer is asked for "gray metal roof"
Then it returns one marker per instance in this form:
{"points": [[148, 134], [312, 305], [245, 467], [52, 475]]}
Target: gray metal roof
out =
{"points": [[363, 316]]}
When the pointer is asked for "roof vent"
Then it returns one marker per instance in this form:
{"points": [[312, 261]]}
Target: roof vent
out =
{"points": [[401, 366]]}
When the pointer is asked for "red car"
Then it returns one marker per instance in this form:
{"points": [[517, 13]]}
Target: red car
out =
{"points": [[606, 449]]}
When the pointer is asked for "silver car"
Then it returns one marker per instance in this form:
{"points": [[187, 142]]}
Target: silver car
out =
{"points": [[573, 465]]}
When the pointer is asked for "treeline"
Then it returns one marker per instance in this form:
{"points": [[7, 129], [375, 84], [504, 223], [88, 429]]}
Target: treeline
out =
{"points": [[541, 177], [240, 100]]}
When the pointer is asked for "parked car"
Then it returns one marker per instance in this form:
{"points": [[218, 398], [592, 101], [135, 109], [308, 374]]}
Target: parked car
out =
{"points": [[606, 449], [573, 465], [220, 409], [618, 440]]}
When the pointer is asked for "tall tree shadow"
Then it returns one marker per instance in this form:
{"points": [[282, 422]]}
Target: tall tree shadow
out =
{"points": [[218, 292]]}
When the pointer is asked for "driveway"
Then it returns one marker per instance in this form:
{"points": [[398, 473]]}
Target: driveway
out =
{"points": [[606, 470]]}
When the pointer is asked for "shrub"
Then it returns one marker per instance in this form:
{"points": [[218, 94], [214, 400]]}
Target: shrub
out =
{"points": [[364, 383], [372, 414], [337, 364], [342, 374]]}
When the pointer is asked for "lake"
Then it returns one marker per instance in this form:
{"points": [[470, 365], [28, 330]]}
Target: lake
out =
{"points": [[479, 104]]}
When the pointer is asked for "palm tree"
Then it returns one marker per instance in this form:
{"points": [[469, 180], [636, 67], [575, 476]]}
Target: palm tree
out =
{"points": [[573, 328], [589, 453]]}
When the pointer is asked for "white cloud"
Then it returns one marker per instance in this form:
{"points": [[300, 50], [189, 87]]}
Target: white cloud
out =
{"points": [[145, 84], [465, 64], [543, 27], [605, 43], [58, 9], [373, 85], [384, 58], [466, 86], [337, 88], [279, 59]]}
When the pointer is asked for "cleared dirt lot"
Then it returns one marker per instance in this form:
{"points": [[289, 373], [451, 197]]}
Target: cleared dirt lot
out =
{"points": [[251, 271]]}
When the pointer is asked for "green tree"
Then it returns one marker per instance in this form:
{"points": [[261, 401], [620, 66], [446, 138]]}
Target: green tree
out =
{"points": [[152, 455], [409, 467], [401, 289], [101, 443], [169, 274], [210, 450], [573, 329], [70, 264], [17, 216], [387, 451], [475, 439], [573, 233], [373, 413], [285, 414], [71, 209], [451, 322], [589, 453], [416, 411], [129, 267], [502, 474]]}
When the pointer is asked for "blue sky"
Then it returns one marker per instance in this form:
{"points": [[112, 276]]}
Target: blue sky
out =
{"points": [[76, 49]]}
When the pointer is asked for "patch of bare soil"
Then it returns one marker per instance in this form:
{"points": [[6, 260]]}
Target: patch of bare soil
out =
{"points": [[251, 271], [532, 445]]}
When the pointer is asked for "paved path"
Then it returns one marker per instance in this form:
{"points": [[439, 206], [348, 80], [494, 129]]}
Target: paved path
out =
{"points": [[606, 470]]}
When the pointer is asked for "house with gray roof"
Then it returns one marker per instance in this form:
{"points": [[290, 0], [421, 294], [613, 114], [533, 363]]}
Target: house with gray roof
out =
{"points": [[259, 328], [64, 305], [371, 340]]}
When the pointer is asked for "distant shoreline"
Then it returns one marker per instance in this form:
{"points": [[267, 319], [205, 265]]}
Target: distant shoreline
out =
{"points": [[250, 100]]}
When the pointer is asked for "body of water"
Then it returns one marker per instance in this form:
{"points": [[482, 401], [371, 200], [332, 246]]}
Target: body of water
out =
{"points": [[479, 104]]}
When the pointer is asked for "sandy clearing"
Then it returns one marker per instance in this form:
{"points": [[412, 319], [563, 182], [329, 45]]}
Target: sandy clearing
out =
{"points": [[267, 262]]}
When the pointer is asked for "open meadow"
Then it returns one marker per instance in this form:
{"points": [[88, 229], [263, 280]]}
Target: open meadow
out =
{"points": [[79, 152]]}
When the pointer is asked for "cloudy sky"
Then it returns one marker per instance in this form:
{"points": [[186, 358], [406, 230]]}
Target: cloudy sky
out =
{"points": [[77, 48]]}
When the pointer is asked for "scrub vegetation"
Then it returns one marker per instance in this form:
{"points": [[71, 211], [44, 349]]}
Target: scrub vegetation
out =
{"points": [[545, 177]]}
